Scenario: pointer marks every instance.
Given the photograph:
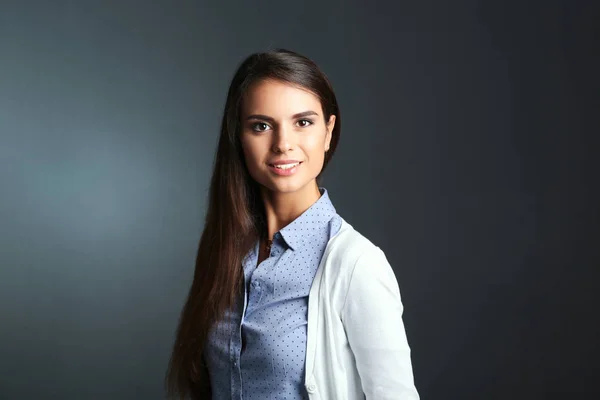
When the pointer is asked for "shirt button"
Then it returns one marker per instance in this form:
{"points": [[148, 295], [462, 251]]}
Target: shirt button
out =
{"points": [[311, 388], [255, 284]]}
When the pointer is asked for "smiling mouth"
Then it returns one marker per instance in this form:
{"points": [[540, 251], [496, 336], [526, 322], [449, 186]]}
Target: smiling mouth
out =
{"points": [[286, 166]]}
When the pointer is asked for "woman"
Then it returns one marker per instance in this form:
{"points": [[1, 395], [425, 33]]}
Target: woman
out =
{"points": [[288, 301]]}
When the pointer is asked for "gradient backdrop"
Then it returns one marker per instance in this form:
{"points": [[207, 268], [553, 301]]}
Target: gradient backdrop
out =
{"points": [[468, 152]]}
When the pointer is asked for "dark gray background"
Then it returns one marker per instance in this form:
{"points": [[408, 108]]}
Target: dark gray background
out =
{"points": [[468, 154]]}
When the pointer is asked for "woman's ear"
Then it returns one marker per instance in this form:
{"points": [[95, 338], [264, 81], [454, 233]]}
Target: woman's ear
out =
{"points": [[328, 133]]}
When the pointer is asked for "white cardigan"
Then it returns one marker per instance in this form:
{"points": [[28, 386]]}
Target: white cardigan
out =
{"points": [[356, 343]]}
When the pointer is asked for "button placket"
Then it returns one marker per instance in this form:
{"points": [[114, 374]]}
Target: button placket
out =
{"points": [[255, 294]]}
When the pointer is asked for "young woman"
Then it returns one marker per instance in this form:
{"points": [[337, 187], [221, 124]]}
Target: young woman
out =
{"points": [[288, 301]]}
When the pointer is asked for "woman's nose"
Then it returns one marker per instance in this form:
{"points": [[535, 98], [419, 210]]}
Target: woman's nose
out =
{"points": [[282, 140]]}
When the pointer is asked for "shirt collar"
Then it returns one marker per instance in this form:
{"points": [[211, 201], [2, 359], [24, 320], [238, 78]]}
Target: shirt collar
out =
{"points": [[318, 214]]}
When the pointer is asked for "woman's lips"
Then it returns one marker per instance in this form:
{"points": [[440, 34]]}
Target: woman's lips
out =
{"points": [[285, 171]]}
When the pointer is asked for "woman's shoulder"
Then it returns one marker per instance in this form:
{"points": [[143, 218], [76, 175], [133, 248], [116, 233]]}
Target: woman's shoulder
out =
{"points": [[349, 245], [351, 256], [350, 236]]}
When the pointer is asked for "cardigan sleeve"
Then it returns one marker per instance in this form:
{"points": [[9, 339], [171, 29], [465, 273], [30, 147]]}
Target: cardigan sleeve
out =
{"points": [[372, 318]]}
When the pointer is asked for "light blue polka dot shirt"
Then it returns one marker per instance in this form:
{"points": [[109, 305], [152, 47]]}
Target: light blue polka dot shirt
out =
{"points": [[257, 351]]}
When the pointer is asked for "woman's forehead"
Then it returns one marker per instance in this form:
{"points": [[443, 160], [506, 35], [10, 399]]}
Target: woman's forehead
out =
{"points": [[271, 96]]}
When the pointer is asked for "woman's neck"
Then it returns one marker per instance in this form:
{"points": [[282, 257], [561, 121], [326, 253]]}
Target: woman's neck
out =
{"points": [[283, 208]]}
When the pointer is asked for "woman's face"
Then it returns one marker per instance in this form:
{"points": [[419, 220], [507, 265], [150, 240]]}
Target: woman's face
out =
{"points": [[284, 123]]}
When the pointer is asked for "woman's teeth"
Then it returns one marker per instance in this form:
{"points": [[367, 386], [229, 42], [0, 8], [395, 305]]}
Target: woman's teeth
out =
{"points": [[286, 166]]}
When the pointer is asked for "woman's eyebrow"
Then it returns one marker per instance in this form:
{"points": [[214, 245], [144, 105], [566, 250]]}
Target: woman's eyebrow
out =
{"points": [[269, 119]]}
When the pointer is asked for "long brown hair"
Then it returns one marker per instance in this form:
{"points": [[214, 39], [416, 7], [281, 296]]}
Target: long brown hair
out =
{"points": [[235, 218]]}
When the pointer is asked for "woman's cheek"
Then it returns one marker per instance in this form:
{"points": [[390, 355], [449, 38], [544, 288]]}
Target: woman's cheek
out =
{"points": [[250, 158], [314, 143]]}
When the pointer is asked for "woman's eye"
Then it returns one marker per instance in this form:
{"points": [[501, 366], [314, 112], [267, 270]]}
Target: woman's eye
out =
{"points": [[305, 122], [260, 127]]}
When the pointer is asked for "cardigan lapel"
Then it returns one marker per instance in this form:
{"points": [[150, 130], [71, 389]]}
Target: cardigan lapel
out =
{"points": [[314, 297]]}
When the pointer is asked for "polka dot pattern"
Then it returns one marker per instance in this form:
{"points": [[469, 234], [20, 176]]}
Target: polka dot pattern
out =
{"points": [[257, 351]]}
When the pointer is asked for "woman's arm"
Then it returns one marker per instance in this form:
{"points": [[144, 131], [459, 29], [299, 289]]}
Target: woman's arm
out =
{"points": [[372, 318]]}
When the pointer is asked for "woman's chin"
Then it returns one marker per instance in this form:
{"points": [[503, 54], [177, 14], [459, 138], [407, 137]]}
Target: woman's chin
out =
{"points": [[290, 186]]}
